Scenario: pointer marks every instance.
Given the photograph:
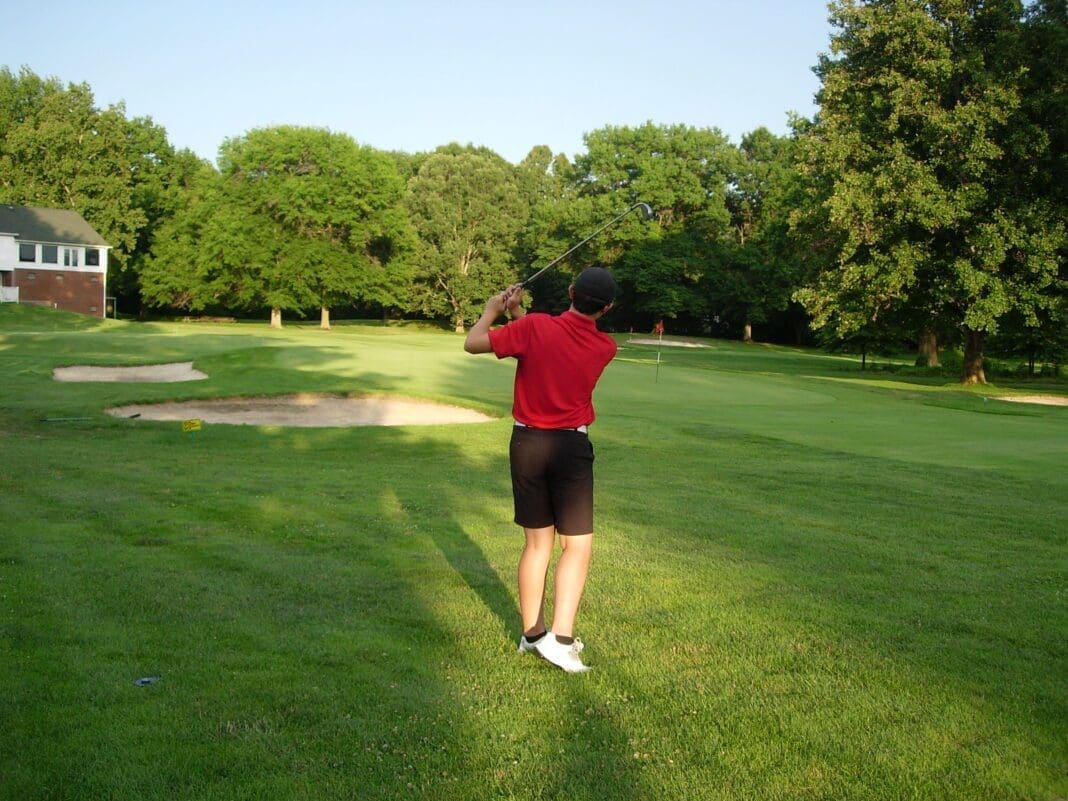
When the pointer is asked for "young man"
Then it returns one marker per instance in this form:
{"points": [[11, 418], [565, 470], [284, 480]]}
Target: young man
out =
{"points": [[560, 360]]}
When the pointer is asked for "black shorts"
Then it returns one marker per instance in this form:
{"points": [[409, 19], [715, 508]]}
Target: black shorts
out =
{"points": [[552, 479]]}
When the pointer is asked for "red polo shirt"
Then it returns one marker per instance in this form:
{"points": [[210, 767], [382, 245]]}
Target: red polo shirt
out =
{"points": [[560, 360]]}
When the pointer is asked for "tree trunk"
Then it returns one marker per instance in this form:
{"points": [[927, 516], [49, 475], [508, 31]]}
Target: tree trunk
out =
{"points": [[324, 317], [973, 357], [928, 350], [747, 332], [276, 318], [459, 320]]}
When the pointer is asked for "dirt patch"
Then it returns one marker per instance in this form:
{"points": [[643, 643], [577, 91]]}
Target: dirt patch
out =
{"points": [[667, 343], [1045, 400], [144, 373], [306, 410]]}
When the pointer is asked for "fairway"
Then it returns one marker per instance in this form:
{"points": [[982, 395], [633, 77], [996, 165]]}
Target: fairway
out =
{"points": [[809, 582]]}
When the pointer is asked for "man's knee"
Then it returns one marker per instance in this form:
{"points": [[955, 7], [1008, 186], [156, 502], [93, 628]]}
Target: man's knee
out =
{"points": [[540, 539], [577, 543]]}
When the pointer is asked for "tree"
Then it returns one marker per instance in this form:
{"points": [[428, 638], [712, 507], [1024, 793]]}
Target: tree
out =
{"points": [[467, 207], [537, 183], [338, 207], [1044, 339], [296, 217], [58, 150], [159, 174], [186, 268], [920, 141], [760, 267], [681, 172]]}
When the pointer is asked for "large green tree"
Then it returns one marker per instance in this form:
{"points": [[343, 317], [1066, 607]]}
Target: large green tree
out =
{"points": [[296, 217], [211, 254], [761, 266], [57, 149], [339, 206], [468, 208], [161, 176], [1039, 329], [682, 172], [918, 144]]}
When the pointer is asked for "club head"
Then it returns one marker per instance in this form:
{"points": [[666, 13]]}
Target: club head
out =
{"points": [[647, 210]]}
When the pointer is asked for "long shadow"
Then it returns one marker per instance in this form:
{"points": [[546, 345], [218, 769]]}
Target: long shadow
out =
{"points": [[428, 496], [466, 557]]}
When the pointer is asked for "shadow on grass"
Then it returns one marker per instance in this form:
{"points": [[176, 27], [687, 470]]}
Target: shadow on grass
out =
{"points": [[588, 751], [465, 557]]}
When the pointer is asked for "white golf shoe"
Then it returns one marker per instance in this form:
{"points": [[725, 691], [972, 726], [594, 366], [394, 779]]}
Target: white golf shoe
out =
{"points": [[528, 647], [565, 657]]}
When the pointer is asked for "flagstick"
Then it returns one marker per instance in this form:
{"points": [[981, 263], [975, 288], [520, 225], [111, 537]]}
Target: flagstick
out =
{"points": [[659, 342]]}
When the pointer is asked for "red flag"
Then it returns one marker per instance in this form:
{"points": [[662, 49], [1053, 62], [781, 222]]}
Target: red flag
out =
{"points": [[659, 328]]}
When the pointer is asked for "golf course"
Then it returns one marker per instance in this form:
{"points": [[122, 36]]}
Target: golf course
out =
{"points": [[809, 581]]}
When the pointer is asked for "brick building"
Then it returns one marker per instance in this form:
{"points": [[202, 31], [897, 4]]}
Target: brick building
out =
{"points": [[52, 257]]}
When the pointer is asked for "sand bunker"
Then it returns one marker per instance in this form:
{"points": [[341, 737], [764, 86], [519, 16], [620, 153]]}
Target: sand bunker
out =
{"points": [[1046, 400], [667, 343], [145, 373], [306, 410]]}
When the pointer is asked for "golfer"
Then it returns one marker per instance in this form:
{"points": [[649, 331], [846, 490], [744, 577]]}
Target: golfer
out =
{"points": [[560, 360]]}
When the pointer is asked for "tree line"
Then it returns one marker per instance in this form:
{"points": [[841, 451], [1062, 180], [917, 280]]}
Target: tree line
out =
{"points": [[923, 204]]}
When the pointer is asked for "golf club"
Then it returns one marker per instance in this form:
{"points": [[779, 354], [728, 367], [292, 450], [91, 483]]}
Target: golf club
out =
{"points": [[647, 214]]}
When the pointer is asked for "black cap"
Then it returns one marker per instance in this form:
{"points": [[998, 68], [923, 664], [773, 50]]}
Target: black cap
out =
{"points": [[597, 284]]}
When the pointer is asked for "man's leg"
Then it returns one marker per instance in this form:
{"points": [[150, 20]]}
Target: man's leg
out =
{"points": [[533, 565], [571, 573]]}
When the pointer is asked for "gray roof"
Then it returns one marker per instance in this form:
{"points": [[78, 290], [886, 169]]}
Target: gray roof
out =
{"points": [[55, 226]]}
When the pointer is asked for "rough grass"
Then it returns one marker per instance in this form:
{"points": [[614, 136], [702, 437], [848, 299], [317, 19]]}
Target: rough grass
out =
{"points": [[809, 582]]}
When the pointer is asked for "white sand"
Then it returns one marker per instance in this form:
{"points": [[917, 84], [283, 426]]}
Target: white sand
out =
{"points": [[1046, 400], [145, 373], [667, 343], [306, 410]]}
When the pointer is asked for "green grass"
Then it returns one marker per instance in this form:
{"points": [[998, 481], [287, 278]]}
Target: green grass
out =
{"points": [[809, 582]]}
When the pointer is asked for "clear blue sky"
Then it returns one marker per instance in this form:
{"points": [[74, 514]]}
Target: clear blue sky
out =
{"points": [[407, 75]]}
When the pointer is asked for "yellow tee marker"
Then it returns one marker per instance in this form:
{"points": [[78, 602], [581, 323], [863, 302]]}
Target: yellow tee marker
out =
{"points": [[191, 425]]}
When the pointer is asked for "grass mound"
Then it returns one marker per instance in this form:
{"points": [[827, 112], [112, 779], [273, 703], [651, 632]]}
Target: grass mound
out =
{"points": [[15, 317]]}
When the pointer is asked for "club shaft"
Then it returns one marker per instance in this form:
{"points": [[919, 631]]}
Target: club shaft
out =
{"points": [[573, 248]]}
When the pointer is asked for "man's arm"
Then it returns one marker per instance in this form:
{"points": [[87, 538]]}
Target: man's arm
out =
{"points": [[478, 337]]}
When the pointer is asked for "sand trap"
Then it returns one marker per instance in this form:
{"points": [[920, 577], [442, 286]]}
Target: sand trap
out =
{"points": [[1046, 400], [667, 343], [306, 410], [145, 373]]}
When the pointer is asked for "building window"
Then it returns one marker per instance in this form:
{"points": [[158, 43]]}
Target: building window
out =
{"points": [[31, 276], [92, 257], [59, 276], [94, 279], [27, 252], [70, 257], [49, 254]]}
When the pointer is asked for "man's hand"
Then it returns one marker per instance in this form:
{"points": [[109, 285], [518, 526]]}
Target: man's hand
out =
{"points": [[513, 301], [509, 300], [497, 304]]}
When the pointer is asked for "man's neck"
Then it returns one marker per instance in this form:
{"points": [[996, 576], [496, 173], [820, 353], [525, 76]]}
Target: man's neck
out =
{"points": [[595, 316]]}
